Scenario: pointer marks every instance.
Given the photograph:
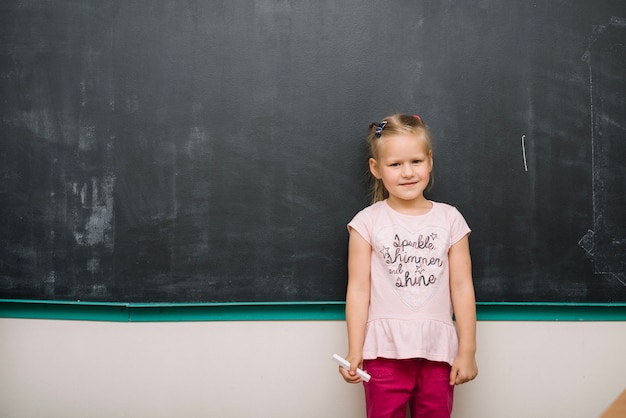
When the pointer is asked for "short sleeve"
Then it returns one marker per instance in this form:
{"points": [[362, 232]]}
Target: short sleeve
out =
{"points": [[458, 226], [361, 224]]}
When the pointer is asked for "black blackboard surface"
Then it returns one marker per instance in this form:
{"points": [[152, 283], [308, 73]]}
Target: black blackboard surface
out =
{"points": [[212, 151]]}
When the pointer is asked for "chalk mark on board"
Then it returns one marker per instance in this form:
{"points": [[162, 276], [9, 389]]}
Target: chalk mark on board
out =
{"points": [[524, 153], [605, 243]]}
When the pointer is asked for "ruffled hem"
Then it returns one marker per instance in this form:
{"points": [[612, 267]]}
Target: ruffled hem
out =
{"points": [[401, 339]]}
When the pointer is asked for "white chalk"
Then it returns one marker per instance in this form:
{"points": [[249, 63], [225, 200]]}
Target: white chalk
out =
{"points": [[344, 363], [524, 152]]}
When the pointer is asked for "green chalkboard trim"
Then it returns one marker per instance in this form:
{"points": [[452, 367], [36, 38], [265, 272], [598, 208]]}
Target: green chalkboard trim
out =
{"points": [[40, 309], [171, 312], [288, 311], [535, 311]]}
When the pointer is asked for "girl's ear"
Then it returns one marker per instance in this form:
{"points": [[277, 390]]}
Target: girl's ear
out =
{"points": [[430, 156], [374, 168]]}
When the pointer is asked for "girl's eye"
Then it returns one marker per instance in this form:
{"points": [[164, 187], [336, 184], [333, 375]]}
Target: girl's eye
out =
{"points": [[417, 161]]}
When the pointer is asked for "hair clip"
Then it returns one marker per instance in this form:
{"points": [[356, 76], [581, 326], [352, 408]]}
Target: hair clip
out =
{"points": [[417, 117], [379, 128]]}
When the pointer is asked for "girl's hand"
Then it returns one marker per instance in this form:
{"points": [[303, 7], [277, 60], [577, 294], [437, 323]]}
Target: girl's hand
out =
{"points": [[351, 376], [464, 369]]}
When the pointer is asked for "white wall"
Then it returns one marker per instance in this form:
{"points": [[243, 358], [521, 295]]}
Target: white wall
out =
{"points": [[67, 369]]}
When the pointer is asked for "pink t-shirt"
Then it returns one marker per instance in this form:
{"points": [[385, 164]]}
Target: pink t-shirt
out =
{"points": [[410, 312]]}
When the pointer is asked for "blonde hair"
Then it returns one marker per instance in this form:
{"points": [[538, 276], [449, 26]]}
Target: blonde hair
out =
{"points": [[394, 125]]}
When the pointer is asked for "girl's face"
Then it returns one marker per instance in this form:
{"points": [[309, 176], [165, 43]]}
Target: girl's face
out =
{"points": [[404, 165]]}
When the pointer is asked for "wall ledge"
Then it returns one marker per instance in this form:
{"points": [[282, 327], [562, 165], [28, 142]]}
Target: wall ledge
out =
{"points": [[285, 311]]}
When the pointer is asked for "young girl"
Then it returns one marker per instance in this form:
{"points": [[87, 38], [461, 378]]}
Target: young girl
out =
{"points": [[409, 270]]}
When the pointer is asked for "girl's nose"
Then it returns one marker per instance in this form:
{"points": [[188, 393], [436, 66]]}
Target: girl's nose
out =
{"points": [[407, 170]]}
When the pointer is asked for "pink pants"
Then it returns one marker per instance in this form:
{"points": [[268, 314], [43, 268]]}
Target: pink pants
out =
{"points": [[421, 384]]}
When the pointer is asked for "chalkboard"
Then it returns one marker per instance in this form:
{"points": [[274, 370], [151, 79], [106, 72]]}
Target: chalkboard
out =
{"points": [[213, 151]]}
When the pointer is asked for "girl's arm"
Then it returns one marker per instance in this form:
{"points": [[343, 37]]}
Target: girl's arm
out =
{"points": [[464, 367], [357, 302]]}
